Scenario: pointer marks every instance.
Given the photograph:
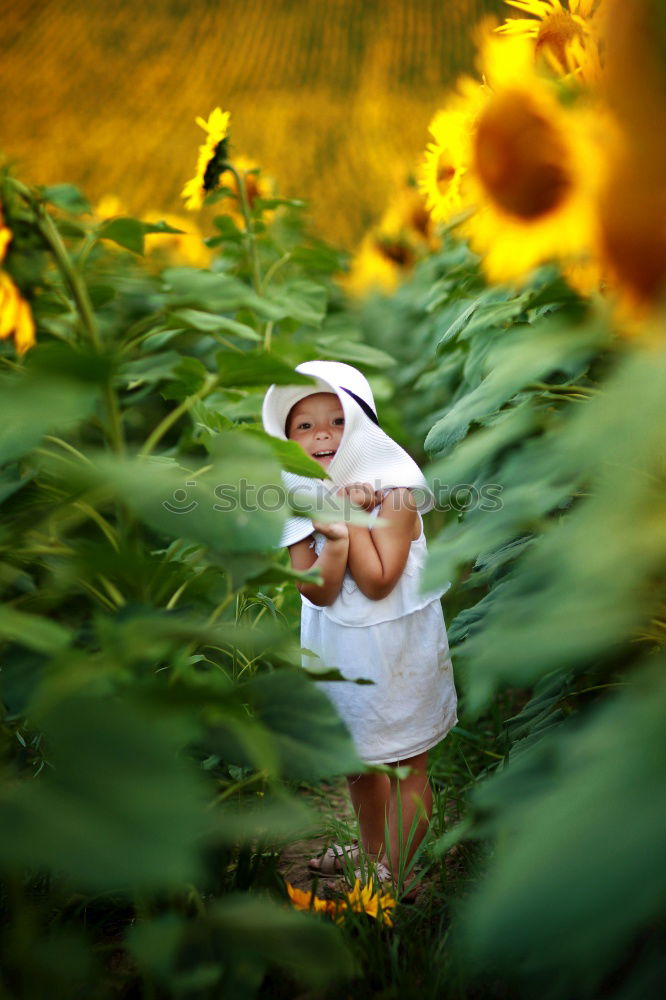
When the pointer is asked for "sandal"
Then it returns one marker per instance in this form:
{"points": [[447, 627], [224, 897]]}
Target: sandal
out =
{"points": [[378, 873], [332, 862], [382, 877]]}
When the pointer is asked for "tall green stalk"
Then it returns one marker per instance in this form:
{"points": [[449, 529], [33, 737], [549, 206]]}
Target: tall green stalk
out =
{"points": [[251, 245], [79, 292]]}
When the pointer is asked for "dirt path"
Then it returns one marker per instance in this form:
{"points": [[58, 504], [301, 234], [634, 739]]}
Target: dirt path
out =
{"points": [[332, 802]]}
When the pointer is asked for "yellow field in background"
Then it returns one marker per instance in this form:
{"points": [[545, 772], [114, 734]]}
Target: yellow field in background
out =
{"points": [[331, 97]]}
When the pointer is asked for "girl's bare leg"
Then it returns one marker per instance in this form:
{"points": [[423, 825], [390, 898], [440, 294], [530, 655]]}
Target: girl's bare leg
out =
{"points": [[370, 798], [414, 800], [369, 794]]}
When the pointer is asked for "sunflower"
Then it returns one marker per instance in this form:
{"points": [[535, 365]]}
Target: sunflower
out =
{"points": [[562, 33], [378, 265], [443, 171], [535, 169], [362, 899], [633, 200], [186, 247], [15, 316], [257, 185], [108, 206], [406, 220], [309, 901], [212, 160], [5, 236]]}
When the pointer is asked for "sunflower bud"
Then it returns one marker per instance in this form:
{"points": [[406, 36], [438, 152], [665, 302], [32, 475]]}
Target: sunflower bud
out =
{"points": [[633, 204]]}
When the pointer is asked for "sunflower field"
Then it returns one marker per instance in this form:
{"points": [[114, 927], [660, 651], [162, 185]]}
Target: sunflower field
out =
{"points": [[168, 763]]}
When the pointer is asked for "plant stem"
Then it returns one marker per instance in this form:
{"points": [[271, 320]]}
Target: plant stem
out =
{"points": [[251, 246], [249, 234], [77, 287], [209, 384], [275, 266]]}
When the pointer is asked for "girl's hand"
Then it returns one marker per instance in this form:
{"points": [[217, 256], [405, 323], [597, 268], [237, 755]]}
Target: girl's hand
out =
{"points": [[361, 495], [335, 531]]}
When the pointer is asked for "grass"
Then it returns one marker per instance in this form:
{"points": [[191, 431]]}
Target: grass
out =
{"points": [[418, 956]]}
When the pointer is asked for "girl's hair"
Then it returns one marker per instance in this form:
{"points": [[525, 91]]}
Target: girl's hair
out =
{"points": [[321, 392]]}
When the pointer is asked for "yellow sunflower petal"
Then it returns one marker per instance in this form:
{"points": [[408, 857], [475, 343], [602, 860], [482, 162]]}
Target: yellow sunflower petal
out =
{"points": [[5, 240], [193, 194], [302, 900], [24, 333], [185, 247], [540, 8], [372, 269], [9, 301], [216, 127], [442, 174], [535, 172], [555, 28], [15, 315]]}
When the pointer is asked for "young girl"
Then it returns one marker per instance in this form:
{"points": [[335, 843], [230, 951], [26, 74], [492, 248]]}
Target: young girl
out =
{"points": [[369, 617]]}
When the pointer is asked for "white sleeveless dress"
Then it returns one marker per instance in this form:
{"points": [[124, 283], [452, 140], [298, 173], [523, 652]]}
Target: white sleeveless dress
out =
{"points": [[400, 644]]}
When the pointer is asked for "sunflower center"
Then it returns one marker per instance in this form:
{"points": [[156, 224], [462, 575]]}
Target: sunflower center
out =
{"points": [[445, 174], [216, 165], [556, 32], [396, 252], [420, 220], [251, 189], [520, 157]]}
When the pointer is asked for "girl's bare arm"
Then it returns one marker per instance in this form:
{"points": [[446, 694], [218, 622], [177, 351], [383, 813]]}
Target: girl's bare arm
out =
{"points": [[332, 563], [377, 558]]}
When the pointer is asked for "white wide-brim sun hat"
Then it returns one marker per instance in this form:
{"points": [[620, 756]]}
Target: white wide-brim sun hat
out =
{"points": [[366, 454]]}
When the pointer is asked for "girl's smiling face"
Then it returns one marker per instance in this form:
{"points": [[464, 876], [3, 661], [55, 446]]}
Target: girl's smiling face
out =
{"points": [[317, 423]]}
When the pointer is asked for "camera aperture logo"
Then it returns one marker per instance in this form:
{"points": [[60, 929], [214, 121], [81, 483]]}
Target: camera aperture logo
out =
{"points": [[181, 504]]}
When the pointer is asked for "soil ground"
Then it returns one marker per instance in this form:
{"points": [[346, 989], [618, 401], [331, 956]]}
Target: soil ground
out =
{"points": [[332, 801]]}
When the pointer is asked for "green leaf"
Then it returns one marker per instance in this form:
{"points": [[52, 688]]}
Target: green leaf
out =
{"points": [[303, 945], [232, 945], [260, 368], [68, 197], [521, 356], [138, 828], [216, 293], [291, 455], [11, 481], [209, 323], [271, 819], [75, 363], [270, 203], [477, 449], [354, 352], [463, 310], [301, 300], [310, 739], [160, 227], [189, 375], [101, 295], [319, 258], [237, 505], [585, 816], [126, 232], [583, 587], [227, 228], [33, 631], [149, 370], [35, 406]]}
